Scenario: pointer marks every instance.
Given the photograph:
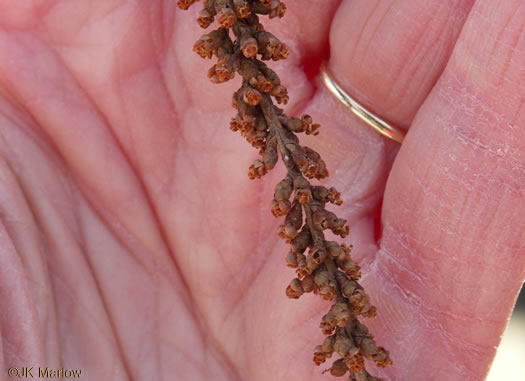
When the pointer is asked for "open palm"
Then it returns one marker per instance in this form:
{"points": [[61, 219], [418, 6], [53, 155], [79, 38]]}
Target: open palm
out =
{"points": [[133, 245]]}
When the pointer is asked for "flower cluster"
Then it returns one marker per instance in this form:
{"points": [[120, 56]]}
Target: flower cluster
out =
{"points": [[323, 267]]}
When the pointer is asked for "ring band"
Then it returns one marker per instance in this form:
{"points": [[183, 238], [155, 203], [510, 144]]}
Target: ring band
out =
{"points": [[362, 113]]}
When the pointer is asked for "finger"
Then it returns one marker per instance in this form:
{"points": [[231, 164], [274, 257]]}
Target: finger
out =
{"points": [[451, 256], [387, 55]]}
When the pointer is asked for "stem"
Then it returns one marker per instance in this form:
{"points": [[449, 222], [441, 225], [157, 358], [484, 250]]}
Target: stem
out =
{"points": [[276, 128], [329, 262]]}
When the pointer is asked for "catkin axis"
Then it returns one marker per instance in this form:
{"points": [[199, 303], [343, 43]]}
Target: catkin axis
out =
{"points": [[241, 44]]}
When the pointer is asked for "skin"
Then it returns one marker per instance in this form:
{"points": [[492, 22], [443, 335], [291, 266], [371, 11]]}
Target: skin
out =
{"points": [[133, 245]]}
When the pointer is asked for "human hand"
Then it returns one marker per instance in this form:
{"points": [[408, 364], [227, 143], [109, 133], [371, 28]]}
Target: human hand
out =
{"points": [[134, 245]]}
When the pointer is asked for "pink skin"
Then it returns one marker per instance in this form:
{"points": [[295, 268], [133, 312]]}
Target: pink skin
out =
{"points": [[133, 245]]}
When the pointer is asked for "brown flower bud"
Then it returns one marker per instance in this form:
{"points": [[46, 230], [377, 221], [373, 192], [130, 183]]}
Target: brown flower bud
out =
{"points": [[323, 218], [300, 125], [334, 196], [348, 288], [327, 292], [280, 208], [327, 324], [320, 194], [205, 18], [235, 123], [320, 356], [344, 254], [361, 303], [301, 242], [261, 83], [269, 73], [309, 284], [220, 73], [260, 124], [367, 310], [225, 13], [287, 232], [359, 330], [299, 182], [308, 161], [278, 9], [326, 288], [270, 157], [248, 46], [338, 368], [280, 52], [242, 8], [210, 44], [328, 344], [309, 126], [292, 124], [251, 96], [283, 191], [302, 267], [368, 347], [324, 195], [358, 298], [322, 278], [248, 68], [303, 196], [355, 363], [317, 255], [382, 358], [328, 220], [316, 167], [341, 313], [351, 269], [291, 260], [296, 285], [343, 345], [246, 126], [298, 154], [280, 93], [185, 4], [370, 312], [340, 228], [247, 114], [256, 138], [332, 248], [256, 170], [295, 289], [273, 9]]}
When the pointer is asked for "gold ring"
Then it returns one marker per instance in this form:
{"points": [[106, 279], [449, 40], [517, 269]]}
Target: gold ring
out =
{"points": [[362, 113]]}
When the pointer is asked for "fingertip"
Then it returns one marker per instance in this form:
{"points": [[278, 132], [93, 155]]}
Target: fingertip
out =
{"points": [[388, 54], [453, 228]]}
